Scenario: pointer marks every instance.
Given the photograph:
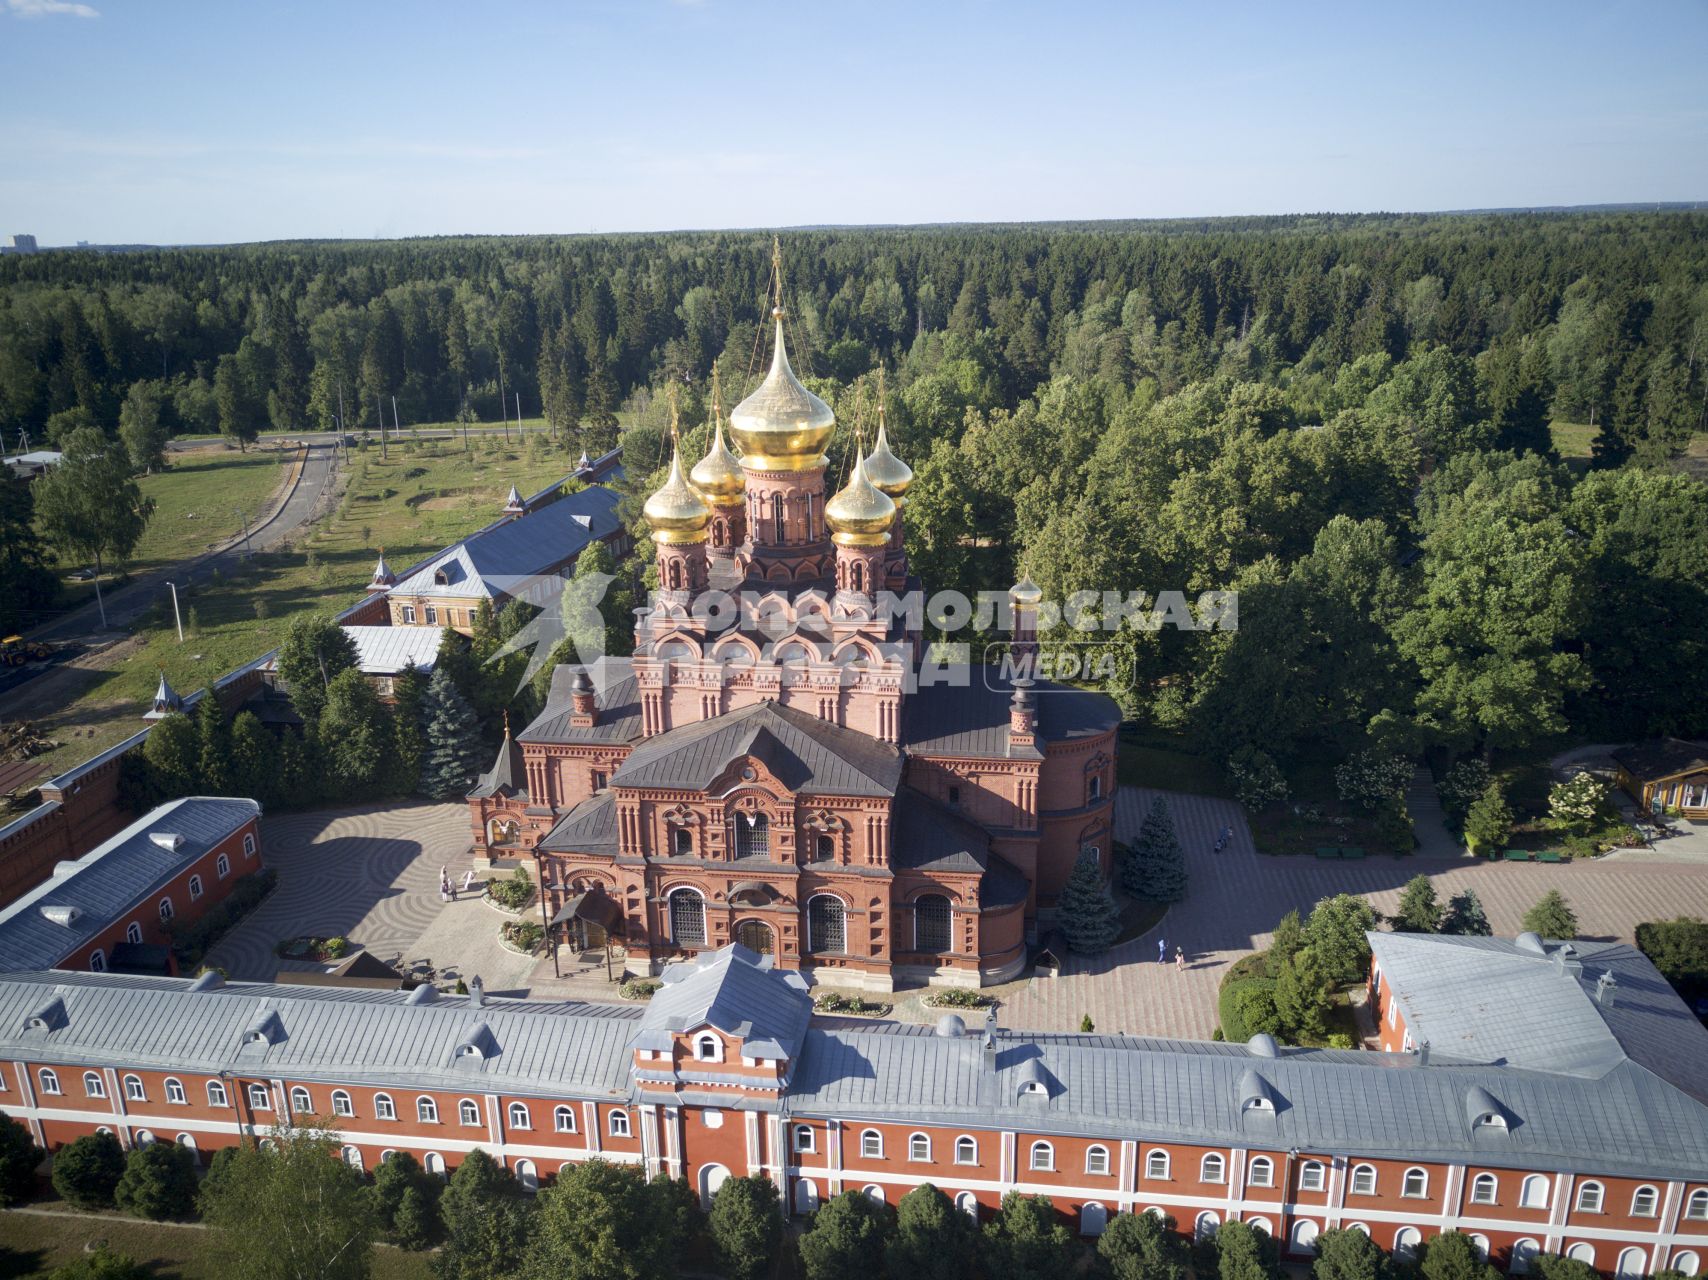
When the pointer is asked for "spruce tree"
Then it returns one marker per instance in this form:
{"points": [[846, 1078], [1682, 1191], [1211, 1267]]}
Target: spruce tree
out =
{"points": [[254, 760], [452, 759], [746, 1226], [408, 690], [1085, 911], [934, 1240], [174, 754], [1155, 867], [1289, 938], [355, 734], [1245, 1253], [1419, 911], [1301, 997], [1552, 917], [1142, 1246], [214, 774], [19, 1156], [483, 631], [1465, 916], [1489, 821]]}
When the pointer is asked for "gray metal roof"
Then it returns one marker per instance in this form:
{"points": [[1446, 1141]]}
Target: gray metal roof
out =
{"points": [[808, 755], [931, 838], [508, 773], [1498, 999], [736, 991], [590, 827], [85, 896], [385, 651], [502, 558], [1355, 1102], [616, 695], [971, 720]]}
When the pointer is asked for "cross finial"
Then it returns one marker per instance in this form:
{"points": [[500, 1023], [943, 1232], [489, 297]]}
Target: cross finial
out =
{"points": [[675, 417], [777, 272], [506, 722], [880, 395], [717, 402]]}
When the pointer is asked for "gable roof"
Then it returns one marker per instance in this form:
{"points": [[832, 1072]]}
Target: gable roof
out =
{"points": [[590, 827], [1662, 758], [85, 896], [502, 559], [1534, 1004], [616, 695], [386, 651], [739, 993], [971, 720], [808, 755]]}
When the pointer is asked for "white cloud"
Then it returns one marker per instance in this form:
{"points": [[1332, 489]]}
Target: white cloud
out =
{"points": [[49, 8]]}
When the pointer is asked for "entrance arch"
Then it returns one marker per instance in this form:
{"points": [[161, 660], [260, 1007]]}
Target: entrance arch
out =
{"points": [[712, 1176], [756, 936], [806, 1196]]}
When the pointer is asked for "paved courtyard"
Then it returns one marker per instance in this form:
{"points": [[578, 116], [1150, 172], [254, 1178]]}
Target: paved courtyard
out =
{"points": [[1237, 896], [371, 874]]}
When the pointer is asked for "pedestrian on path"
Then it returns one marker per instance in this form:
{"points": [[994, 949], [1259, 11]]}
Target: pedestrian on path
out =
{"points": [[1179, 960], [468, 880], [444, 884], [1162, 950]]}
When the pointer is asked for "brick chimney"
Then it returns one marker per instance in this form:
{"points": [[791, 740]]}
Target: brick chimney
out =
{"points": [[584, 708], [1022, 715]]}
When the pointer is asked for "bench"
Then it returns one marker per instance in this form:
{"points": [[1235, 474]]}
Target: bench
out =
{"points": [[1549, 855], [1516, 855], [1327, 851], [1353, 851]]}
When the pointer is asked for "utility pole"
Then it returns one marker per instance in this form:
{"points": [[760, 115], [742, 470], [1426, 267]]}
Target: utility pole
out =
{"points": [[503, 416], [99, 603], [379, 404], [518, 415], [177, 618], [340, 406], [396, 426]]}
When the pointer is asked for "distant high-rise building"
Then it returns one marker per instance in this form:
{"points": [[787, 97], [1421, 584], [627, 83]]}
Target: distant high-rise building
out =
{"points": [[20, 244]]}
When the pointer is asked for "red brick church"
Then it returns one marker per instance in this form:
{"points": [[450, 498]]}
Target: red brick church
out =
{"points": [[783, 775]]}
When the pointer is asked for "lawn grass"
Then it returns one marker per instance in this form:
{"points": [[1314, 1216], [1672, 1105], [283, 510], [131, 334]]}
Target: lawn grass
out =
{"points": [[1573, 439], [33, 1244], [413, 503], [1164, 762]]}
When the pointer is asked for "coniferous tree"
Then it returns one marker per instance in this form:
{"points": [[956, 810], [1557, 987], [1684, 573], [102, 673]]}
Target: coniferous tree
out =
{"points": [[1142, 1246], [483, 631], [86, 1171], [1419, 911], [159, 1182], [1489, 821], [254, 760], [301, 781], [27, 586], [933, 1239], [1345, 1253], [746, 1226], [313, 653], [1465, 916], [173, 750], [1289, 938], [847, 1233], [486, 1217], [1301, 997], [409, 744], [19, 1156], [1552, 917], [1025, 1241], [1245, 1253], [1155, 867], [214, 767], [355, 734], [1085, 912], [1452, 1255], [452, 758]]}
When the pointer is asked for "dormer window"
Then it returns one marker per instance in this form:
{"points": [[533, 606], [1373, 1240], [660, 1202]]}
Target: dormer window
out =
{"points": [[708, 1048], [1034, 1088]]}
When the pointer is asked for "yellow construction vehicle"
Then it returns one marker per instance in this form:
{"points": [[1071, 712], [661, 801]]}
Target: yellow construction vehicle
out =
{"points": [[15, 651]]}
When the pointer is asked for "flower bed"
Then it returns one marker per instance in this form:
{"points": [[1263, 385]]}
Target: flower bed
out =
{"points": [[312, 947], [640, 988], [522, 936], [954, 998], [852, 1005], [513, 894]]}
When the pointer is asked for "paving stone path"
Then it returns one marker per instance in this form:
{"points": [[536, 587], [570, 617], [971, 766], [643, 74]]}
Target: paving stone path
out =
{"points": [[371, 874], [1238, 895]]}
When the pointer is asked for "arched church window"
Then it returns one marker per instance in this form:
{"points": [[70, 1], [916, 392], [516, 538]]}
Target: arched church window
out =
{"points": [[931, 923], [682, 841], [687, 918], [826, 927], [755, 935], [752, 835]]}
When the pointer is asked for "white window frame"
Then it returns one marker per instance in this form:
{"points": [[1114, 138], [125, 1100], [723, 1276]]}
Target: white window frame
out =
{"points": [[217, 1095], [1362, 1173], [301, 1100], [1591, 1197], [1422, 1175], [1312, 1176], [563, 1119], [464, 1107], [426, 1110], [222, 866], [708, 1048], [175, 1092], [871, 1145], [1041, 1158], [1097, 1161], [195, 887], [384, 1107], [249, 844], [805, 1140], [260, 1098], [963, 1144], [432, 615], [918, 1148], [1217, 1161], [1485, 1189], [165, 910], [342, 1103], [517, 1116], [1261, 1172], [93, 1085], [135, 1090], [409, 614], [1654, 1202], [1153, 1157], [618, 1125], [97, 961]]}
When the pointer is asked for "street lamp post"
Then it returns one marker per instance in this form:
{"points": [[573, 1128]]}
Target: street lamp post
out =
{"points": [[177, 618]]}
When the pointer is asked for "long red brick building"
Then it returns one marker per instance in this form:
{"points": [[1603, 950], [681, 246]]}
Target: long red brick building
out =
{"points": [[1598, 1150]]}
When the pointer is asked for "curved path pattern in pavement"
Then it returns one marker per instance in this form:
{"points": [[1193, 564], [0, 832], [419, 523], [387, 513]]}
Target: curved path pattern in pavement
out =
{"points": [[1237, 896]]}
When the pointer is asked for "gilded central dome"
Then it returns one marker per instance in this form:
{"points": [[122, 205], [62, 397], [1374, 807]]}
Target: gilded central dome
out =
{"points": [[782, 426], [718, 475], [676, 512], [861, 514], [884, 469]]}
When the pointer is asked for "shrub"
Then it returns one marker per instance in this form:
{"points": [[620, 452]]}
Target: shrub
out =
{"points": [[1576, 803], [159, 1182], [1679, 949], [639, 988], [334, 948], [1392, 826], [87, 1172], [1370, 777], [19, 1156], [1256, 778], [1462, 785], [956, 998], [1247, 1007], [524, 935], [102, 1264], [512, 894]]}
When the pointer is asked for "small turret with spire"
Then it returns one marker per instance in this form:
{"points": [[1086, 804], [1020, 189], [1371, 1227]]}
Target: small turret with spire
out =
{"points": [[893, 476], [678, 516], [513, 504], [384, 579], [166, 699], [860, 517]]}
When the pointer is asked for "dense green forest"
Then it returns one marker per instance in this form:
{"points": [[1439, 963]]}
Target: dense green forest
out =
{"points": [[1344, 418]]}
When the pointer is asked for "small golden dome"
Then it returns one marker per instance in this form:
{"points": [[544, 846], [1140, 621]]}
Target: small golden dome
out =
{"points": [[782, 426], [883, 468], [676, 512], [718, 475], [1026, 592], [861, 514]]}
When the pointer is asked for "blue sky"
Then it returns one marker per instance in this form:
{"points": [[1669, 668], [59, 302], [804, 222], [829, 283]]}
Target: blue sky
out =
{"points": [[174, 121]]}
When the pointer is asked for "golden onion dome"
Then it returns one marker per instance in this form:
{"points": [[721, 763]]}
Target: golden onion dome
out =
{"points": [[718, 475], [883, 468], [676, 512], [861, 514], [782, 426], [1026, 592]]}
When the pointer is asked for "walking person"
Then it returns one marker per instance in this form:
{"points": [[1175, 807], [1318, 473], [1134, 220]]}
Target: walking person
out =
{"points": [[1162, 950], [444, 884], [1179, 960]]}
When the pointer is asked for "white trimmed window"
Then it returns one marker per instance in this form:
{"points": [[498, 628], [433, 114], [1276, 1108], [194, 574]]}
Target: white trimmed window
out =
{"points": [[134, 1092], [966, 1150], [259, 1098], [409, 613], [619, 1125], [93, 1085], [249, 846], [1097, 1162], [519, 1117], [1696, 1209], [175, 1092], [1590, 1195], [919, 1148], [468, 1111], [97, 961], [1483, 1188], [871, 1145], [1213, 1168], [1311, 1176], [195, 887], [222, 866], [426, 1110], [805, 1140], [1364, 1180], [1156, 1166], [133, 932], [1042, 1157], [341, 1104], [1262, 1172], [384, 1107], [1416, 1184], [563, 1119], [1645, 1202], [708, 1048], [165, 909], [217, 1096], [300, 1100]]}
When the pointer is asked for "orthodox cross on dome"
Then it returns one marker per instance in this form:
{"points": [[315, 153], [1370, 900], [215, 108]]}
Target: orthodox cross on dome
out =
{"points": [[777, 275]]}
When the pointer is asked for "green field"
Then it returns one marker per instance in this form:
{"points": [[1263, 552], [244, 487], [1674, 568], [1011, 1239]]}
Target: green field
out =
{"points": [[33, 1244], [421, 498], [1573, 439]]}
